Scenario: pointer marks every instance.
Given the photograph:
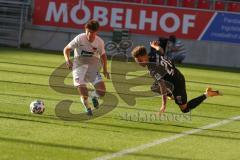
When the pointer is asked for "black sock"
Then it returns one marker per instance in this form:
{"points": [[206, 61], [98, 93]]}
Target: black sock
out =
{"points": [[196, 101]]}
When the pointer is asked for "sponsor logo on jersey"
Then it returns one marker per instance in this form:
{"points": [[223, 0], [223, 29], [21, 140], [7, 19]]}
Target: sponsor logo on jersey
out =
{"points": [[86, 54]]}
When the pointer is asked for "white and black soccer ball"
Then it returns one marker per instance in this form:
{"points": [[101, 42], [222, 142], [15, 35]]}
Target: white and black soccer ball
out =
{"points": [[37, 107]]}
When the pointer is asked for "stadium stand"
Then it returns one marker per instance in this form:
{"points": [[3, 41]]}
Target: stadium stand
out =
{"points": [[222, 5], [219, 5], [13, 15], [172, 2], [188, 3], [133, 1], [233, 6], [203, 4], [158, 2], [145, 1]]}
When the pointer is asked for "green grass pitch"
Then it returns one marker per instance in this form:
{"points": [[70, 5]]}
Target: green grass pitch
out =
{"points": [[24, 76]]}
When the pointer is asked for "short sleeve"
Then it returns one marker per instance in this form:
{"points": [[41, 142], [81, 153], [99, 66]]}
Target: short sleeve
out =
{"points": [[75, 42], [102, 47]]}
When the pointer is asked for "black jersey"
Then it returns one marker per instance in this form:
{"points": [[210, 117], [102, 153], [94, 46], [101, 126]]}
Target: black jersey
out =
{"points": [[161, 67]]}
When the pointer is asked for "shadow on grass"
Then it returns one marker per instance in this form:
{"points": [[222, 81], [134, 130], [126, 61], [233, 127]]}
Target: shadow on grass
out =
{"points": [[57, 121], [182, 126], [66, 88], [209, 67], [42, 119], [55, 145], [27, 50], [162, 130], [86, 149], [192, 115], [64, 69]]}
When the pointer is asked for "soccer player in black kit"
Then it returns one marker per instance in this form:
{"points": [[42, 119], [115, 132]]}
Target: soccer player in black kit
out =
{"points": [[169, 81]]}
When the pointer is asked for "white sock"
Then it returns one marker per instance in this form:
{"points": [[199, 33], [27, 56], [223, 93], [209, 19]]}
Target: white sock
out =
{"points": [[94, 94], [206, 94], [84, 102]]}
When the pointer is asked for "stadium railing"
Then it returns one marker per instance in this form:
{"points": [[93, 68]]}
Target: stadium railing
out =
{"points": [[219, 5], [172, 2], [13, 15], [203, 4], [233, 6]]}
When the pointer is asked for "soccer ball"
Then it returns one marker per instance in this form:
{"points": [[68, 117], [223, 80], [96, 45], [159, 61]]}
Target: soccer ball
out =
{"points": [[37, 107]]}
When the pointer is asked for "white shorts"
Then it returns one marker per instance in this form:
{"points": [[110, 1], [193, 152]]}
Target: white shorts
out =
{"points": [[83, 75]]}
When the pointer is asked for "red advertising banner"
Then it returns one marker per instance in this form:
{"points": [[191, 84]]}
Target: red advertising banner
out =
{"points": [[151, 20]]}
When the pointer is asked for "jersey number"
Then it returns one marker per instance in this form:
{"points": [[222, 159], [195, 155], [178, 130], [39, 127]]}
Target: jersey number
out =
{"points": [[167, 65]]}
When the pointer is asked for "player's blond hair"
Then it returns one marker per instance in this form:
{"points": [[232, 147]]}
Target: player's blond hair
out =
{"points": [[139, 51]]}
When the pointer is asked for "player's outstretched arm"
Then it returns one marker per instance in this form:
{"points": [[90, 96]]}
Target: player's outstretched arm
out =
{"points": [[163, 90], [155, 45], [104, 62], [164, 104]]}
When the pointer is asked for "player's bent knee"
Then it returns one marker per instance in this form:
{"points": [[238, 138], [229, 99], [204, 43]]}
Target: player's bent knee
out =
{"points": [[184, 108], [155, 89]]}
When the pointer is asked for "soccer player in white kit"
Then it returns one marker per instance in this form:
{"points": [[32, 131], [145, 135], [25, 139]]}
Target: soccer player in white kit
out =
{"points": [[89, 53]]}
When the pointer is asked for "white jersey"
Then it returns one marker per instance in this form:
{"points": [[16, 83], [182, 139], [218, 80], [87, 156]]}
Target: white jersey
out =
{"points": [[83, 48], [87, 55]]}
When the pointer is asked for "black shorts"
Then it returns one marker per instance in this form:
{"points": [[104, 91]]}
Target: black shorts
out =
{"points": [[179, 92]]}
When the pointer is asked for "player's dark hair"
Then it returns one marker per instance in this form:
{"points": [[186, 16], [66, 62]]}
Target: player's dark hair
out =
{"points": [[139, 51], [92, 25], [172, 38]]}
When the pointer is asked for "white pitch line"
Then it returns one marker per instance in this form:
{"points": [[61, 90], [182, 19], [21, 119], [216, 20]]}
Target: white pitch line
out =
{"points": [[167, 139]]}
